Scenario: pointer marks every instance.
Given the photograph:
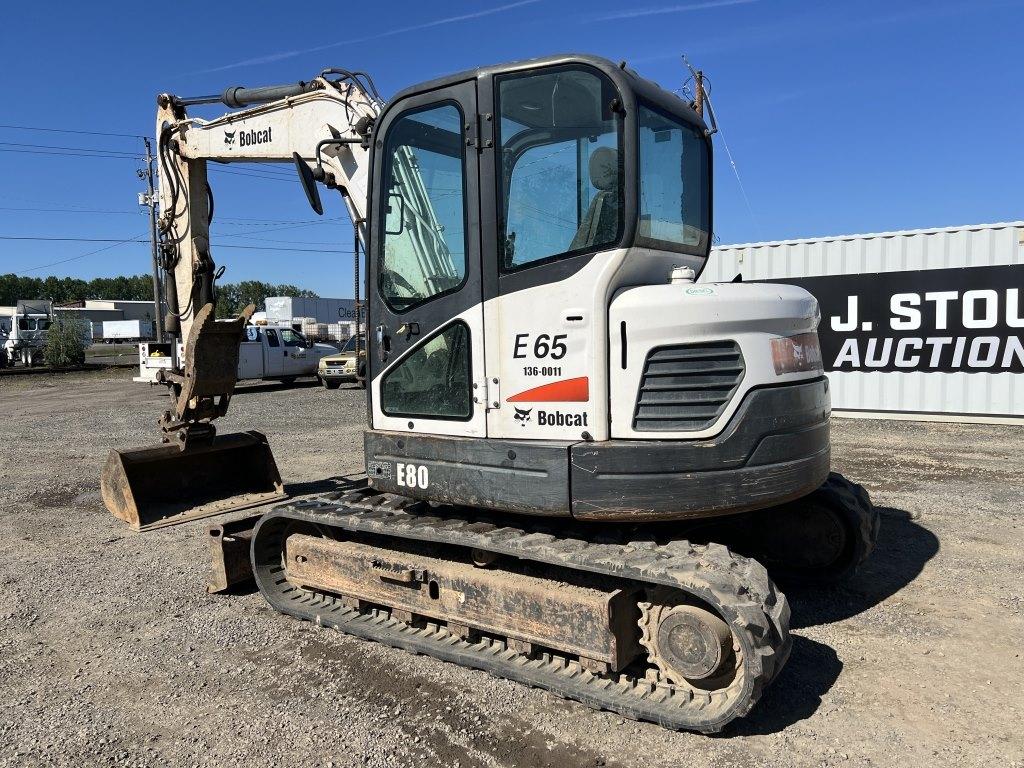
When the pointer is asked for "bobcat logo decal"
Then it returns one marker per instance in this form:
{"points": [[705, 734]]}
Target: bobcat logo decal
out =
{"points": [[229, 138], [523, 415]]}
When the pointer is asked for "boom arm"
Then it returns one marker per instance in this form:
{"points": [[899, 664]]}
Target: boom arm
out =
{"points": [[325, 124], [324, 120]]}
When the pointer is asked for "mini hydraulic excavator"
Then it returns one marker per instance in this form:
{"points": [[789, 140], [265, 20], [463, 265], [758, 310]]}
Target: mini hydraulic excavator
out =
{"points": [[565, 429]]}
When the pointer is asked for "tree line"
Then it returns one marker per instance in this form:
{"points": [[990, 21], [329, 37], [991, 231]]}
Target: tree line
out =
{"points": [[231, 297]]}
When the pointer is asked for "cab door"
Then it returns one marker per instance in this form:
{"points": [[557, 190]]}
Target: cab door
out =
{"points": [[294, 352], [425, 327], [274, 354]]}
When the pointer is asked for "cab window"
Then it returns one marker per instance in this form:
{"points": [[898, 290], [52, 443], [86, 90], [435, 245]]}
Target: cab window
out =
{"points": [[560, 186], [674, 184], [423, 252], [272, 338], [434, 381], [292, 338]]}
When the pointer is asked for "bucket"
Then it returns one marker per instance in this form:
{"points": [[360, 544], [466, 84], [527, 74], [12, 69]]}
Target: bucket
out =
{"points": [[162, 485]]}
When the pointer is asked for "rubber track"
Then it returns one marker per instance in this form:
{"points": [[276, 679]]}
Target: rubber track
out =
{"points": [[856, 504], [739, 588]]}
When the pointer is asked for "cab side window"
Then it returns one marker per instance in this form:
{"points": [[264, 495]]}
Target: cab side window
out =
{"points": [[424, 235], [434, 381], [272, 338], [292, 338], [560, 184]]}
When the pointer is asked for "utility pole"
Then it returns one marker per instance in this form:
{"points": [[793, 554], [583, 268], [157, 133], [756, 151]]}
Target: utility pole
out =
{"points": [[149, 200]]}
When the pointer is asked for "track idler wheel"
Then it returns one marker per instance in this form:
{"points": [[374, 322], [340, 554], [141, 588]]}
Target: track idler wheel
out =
{"points": [[821, 539]]}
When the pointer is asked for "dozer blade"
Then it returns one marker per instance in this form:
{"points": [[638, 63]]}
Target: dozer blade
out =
{"points": [[162, 485]]}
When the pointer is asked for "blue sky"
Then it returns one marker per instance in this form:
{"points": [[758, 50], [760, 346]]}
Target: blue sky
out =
{"points": [[841, 117]]}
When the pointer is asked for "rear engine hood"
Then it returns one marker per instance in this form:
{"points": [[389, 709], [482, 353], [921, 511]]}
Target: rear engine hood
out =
{"points": [[646, 319], [675, 311]]}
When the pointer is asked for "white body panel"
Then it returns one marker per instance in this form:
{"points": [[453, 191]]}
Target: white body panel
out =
{"points": [[256, 359], [154, 357], [548, 310], [252, 361], [660, 315], [586, 310]]}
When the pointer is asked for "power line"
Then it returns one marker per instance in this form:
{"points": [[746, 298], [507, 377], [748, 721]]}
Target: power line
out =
{"points": [[268, 248], [286, 242], [118, 242], [70, 210], [271, 222], [68, 130], [232, 221], [74, 149], [71, 154], [272, 167], [83, 255], [64, 239], [256, 233], [252, 175]]}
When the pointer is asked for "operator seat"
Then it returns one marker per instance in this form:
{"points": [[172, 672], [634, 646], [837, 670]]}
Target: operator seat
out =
{"points": [[600, 224]]}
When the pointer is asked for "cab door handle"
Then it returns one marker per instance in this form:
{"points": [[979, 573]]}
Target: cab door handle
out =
{"points": [[383, 343]]}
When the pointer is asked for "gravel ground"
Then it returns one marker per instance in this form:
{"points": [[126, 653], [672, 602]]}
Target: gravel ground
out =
{"points": [[111, 652]]}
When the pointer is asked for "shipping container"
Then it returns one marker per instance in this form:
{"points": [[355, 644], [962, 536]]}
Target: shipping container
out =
{"points": [[919, 324]]}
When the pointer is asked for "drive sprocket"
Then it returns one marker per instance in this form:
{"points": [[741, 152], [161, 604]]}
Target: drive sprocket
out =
{"points": [[691, 646]]}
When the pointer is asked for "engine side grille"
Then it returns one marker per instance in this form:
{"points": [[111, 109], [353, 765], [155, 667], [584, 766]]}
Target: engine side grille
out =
{"points": [[686, 387]]}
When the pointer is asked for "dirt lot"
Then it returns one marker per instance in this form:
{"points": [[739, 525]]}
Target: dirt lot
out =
{"points": [[111, 652]]}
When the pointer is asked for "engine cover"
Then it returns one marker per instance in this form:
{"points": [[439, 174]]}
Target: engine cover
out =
{"points": [[682, 356]]}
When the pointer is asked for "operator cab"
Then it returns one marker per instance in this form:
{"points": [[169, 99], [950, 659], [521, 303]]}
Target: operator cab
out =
{"points": [[489, 189]]}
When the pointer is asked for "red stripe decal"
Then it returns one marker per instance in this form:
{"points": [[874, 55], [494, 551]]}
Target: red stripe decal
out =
{"points": [[567, 391]]}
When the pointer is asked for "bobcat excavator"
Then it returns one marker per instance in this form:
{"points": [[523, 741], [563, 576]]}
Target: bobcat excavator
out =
{"points": [[564, 430]]}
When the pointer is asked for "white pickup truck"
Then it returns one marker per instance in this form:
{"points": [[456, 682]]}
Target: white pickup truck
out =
{"points": [[276, 352]]}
